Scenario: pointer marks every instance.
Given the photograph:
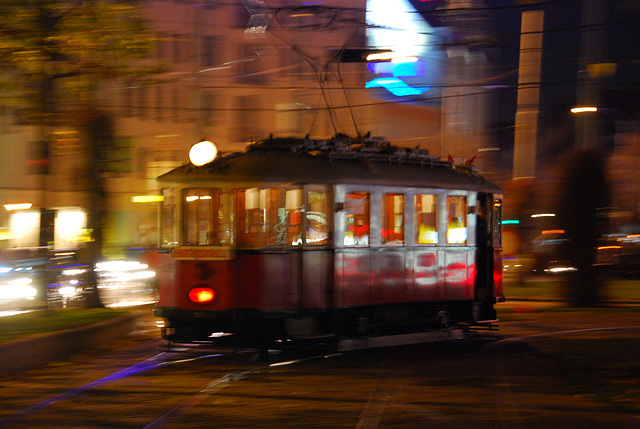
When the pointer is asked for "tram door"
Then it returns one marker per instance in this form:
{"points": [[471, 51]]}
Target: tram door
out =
{"points": [[316, 262], [486, 230], [484, 239]]}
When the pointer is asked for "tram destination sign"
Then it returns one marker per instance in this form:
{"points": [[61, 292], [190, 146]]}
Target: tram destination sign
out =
{"points": [[202, 253]]}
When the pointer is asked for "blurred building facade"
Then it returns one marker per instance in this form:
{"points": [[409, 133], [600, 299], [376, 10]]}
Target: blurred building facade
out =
{"points": [[237, 71]]}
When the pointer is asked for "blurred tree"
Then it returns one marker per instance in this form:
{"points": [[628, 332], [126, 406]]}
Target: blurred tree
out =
{"points": [[584, 199], [54, 56]]}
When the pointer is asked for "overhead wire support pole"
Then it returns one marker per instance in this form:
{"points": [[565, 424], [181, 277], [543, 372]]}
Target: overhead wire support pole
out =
{"points": [[526, 131]]}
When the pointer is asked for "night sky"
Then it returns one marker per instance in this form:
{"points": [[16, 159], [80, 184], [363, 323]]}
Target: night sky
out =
{"points": [[561, 52]]}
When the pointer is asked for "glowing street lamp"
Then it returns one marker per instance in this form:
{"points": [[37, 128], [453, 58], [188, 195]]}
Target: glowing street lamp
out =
{"points": [[584, 109], [19, 206], [622, 122]]}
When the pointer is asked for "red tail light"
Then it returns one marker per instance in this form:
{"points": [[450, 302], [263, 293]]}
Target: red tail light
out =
{"points": [[201, 295]]}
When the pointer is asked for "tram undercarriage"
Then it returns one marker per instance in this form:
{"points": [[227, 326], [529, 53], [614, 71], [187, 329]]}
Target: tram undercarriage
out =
{"points": [[341, 329]]}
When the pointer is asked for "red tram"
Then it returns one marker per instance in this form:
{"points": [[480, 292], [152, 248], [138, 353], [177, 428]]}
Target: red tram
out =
{"points": [[338, 239]]}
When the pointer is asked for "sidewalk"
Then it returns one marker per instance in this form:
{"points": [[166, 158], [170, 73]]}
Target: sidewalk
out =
{"points": [[30, 352]]}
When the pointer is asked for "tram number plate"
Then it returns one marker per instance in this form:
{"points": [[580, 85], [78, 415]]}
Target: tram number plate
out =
{"points": [[202, 253]]}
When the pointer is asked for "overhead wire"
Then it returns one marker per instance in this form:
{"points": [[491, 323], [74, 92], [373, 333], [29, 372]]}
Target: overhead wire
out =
{"points": [[322, 72]]}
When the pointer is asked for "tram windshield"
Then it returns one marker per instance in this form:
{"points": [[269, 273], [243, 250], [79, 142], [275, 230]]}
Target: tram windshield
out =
{"points": [[207, 219], [169, 223]]}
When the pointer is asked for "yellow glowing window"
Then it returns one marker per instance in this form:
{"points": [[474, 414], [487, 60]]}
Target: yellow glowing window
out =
{"points": [[457, 220], [393, 219], [425, 219]]}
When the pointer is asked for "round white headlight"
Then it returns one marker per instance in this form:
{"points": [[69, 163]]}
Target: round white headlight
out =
{"points": [[203, 153]]}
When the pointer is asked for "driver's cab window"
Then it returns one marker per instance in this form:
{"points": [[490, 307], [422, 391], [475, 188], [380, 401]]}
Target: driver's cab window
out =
{"points": [[201, 216]]}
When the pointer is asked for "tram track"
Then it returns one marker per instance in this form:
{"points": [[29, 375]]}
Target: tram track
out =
{"points": [[503, 399], [424, 384], [164, 359], [372, 412]]}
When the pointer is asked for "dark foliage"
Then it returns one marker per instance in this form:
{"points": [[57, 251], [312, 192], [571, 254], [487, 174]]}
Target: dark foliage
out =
{"points": [[584, 198]]}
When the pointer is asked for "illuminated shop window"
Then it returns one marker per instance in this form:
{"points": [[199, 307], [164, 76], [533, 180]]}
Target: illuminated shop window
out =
{"points": [[457, 220], [318, 215], [425, 219], [357, 213], [170, 227], [393, 219], [69, 228], [270, 217]]}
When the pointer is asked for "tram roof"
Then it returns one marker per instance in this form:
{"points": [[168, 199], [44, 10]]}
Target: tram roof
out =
{"points": [[362, 161]]}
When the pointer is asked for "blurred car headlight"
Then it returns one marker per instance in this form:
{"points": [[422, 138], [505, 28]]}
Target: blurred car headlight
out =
{"points": [[18, 289], [67, 291]]}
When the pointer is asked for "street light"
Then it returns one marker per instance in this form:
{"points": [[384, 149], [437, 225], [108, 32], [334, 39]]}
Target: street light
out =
{"points": [[18, 206], [584, 109], [622, 122]]}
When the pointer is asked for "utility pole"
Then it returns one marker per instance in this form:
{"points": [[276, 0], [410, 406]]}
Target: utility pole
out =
{"points": [[591, 51], [526, 131]]}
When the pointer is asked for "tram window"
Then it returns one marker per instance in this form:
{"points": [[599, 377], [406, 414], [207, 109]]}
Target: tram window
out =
{"points": [[259, 212], [169, 219], [201, 216], [497, 223], [357, 210], [226, 224], [294, 209], [457, 220], [393, 219], [270, 217], [425, 219], [317, 232]]}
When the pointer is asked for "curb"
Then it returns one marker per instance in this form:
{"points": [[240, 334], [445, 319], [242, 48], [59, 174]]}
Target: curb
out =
{"points": [[25, 353]]}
